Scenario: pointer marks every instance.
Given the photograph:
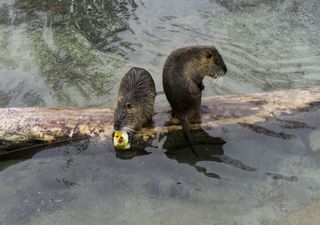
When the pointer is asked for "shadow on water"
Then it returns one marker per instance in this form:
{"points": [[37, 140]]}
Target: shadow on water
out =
{"points": [[301, 126], [208, 148], [130, 154], [244, 168], [298, 128]]}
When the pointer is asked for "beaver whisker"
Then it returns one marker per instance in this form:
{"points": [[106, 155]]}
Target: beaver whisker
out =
{"points": [[129, 130]]}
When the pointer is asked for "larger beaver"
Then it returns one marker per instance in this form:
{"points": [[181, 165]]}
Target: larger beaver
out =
{"points": [[183, 75], [135, 101]]}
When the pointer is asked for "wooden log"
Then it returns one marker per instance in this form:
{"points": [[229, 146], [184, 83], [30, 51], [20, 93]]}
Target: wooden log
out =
{"points": [[27, 126]]}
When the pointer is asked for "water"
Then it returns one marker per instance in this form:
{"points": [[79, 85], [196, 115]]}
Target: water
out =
{"points": [[74, 53], [88, 183]]}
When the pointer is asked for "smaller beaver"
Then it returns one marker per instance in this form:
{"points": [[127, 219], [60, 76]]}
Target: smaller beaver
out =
{"points": [[135, 101], [182, 79]]}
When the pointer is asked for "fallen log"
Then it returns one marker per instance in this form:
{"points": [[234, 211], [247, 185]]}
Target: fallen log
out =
{"points": [[29, 126]]}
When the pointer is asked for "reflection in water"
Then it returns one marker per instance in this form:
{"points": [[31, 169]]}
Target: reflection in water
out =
{"points": [[268, 132], [208, 149], [90, 181], [130, 154]]}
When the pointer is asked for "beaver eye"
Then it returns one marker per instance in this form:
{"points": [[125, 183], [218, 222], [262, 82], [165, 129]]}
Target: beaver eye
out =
{"points": [[128, 105], [209, 55]]}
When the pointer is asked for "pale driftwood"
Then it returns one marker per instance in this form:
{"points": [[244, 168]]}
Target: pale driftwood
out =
{"points": [[19, 126]]}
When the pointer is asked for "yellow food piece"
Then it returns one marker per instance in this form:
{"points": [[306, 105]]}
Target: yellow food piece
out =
{"points": [[121, 140]]}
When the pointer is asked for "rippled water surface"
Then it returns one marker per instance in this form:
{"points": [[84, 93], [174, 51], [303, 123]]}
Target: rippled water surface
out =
{"points": [[75, 52]]}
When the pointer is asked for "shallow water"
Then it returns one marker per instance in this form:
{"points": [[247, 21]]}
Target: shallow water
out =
{"points": [[74, 53], [261, 174]]}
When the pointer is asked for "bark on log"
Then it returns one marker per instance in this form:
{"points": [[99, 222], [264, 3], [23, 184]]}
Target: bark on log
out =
{"points": [[23, 126]]}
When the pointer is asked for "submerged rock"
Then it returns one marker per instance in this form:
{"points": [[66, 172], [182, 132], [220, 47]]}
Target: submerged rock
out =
{"points": [[307, 216], [98, 21]]}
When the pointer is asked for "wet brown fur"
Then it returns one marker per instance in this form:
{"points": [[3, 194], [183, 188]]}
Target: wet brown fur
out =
{"points": [[135, 100], [183, 75]]}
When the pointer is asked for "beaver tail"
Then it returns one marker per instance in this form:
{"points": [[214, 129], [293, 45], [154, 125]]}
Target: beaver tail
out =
{"points": [[187, 133]]}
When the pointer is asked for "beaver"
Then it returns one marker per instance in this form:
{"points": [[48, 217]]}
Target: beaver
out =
{"points": [[135, 101], [182, 79]]}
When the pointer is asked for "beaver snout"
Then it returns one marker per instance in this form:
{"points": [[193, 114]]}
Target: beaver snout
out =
{"points": [[224, 68], [220, 62]]}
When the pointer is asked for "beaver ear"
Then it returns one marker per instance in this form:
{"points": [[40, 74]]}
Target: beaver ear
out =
{"points": [[209, 55]]}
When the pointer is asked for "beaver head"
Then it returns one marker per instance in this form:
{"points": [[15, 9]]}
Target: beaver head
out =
{"points": [[195, 62], [127, 115], [204, 61]]}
